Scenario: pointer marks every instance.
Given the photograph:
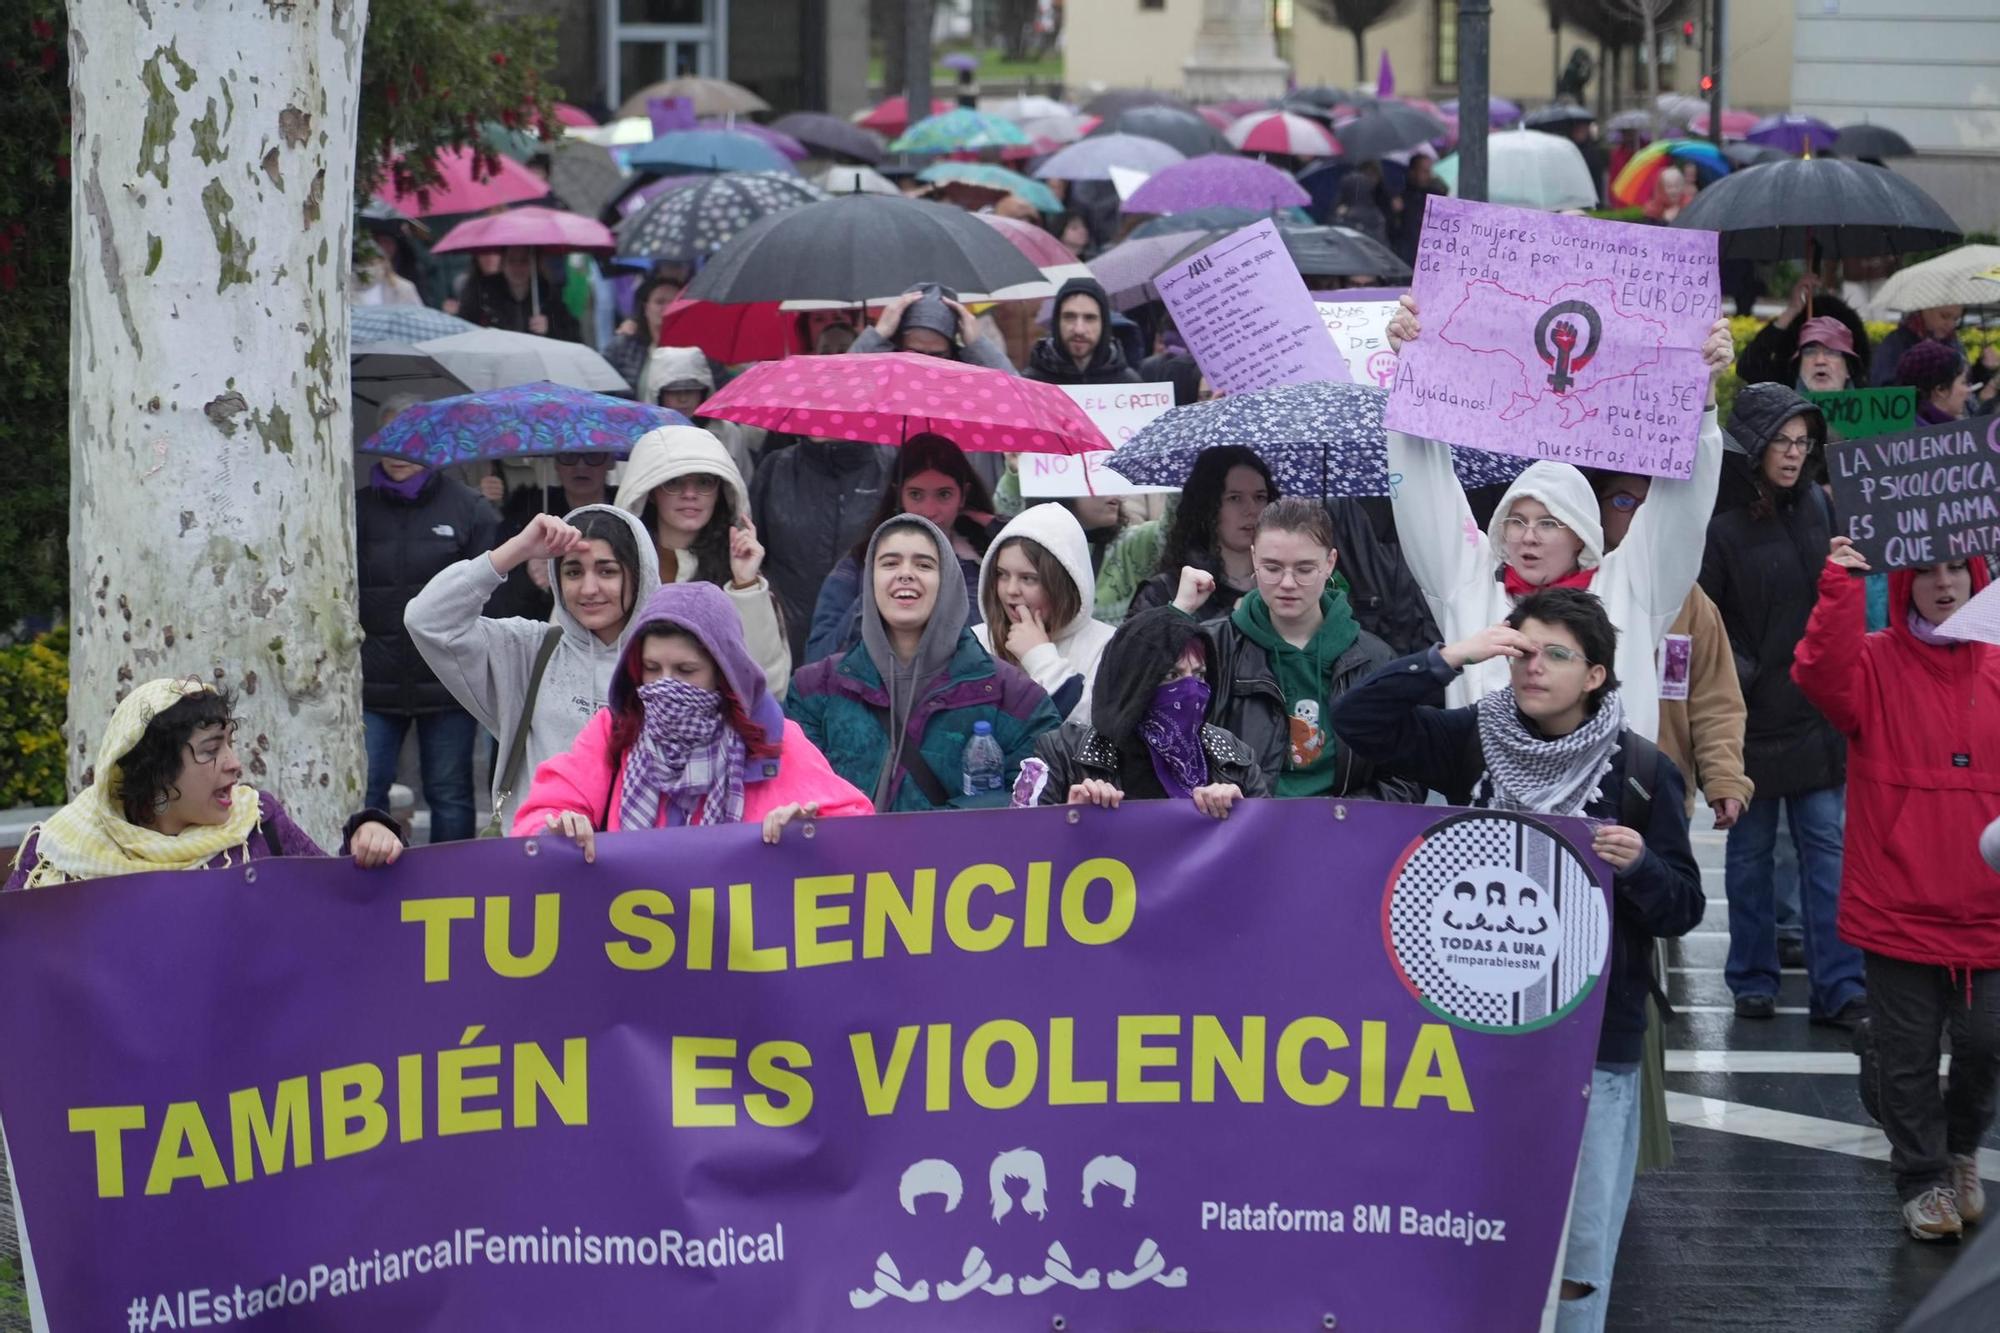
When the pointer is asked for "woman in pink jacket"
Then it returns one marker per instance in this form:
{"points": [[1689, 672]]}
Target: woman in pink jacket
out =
{"points": [[692, 736]]}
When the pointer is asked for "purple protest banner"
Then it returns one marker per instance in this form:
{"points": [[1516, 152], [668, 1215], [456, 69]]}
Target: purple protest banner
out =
{"points": [[1559, 337], [670, 113], [1246, 315], [1000, 1070]]}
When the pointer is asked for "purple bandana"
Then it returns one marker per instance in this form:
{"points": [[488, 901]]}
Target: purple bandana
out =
{"points": [[1172, 732], [686, 758], [410, 488], [1927, 632]]}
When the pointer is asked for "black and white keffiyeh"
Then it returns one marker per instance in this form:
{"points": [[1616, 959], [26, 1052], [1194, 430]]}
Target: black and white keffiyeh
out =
{"points": [[1529, 773]]}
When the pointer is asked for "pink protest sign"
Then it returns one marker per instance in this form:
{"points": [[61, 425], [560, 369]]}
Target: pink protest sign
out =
{"points": [[1245, 313], [1559, 337]]}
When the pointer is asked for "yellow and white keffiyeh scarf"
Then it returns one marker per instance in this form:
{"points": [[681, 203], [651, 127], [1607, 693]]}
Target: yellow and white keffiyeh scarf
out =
{"points": [[90, 838]]}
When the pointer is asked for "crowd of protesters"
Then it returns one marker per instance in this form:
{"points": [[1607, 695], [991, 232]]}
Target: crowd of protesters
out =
{"points": [[746, 627]]}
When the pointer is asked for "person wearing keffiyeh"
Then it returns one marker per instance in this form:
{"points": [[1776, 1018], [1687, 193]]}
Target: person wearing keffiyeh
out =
{"points": [[1556, 741], [692, 736]]}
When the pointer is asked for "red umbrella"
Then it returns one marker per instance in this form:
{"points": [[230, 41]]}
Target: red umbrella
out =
{"points": [[892, 117], [1044, 251], [887, 397], [576, 116], [538, 228], [759, 331], [464, 186]]}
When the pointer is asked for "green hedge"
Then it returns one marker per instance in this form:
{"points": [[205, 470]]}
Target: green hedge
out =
{"points": [[34, 702]]}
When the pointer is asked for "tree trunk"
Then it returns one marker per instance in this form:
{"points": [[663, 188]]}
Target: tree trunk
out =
{"points": [[1360, 59], [211, 492], [1651, 55], [886, 20]]}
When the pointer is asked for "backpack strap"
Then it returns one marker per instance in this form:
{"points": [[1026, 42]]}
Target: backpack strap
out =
{"points": [[912, 762], [269, 828], [517, 752], [1635, 796]]}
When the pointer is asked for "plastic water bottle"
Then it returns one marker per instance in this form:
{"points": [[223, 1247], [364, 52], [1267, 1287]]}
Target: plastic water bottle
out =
{"points": [[984, 765]]}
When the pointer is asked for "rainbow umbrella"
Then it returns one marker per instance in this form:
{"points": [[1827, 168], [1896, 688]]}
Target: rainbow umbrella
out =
{"points": [[1635, 183]]}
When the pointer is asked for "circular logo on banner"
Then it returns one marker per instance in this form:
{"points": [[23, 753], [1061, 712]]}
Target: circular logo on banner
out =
{"points": [[1494, 922]]}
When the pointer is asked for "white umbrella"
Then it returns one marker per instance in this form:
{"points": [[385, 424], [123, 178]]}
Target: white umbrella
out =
{"points": [[856, 180], [618, 134], [1952, 278], [496, 359], [1027, 106], [1529, 169]]}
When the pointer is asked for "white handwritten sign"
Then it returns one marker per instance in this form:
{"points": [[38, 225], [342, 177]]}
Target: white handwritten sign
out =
{"points": [[1245, 313], [1120, 411], [1360, 329]]}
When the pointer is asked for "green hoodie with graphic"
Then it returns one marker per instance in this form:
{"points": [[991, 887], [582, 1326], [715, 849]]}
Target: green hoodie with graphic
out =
{"points": [[1304, 675]]}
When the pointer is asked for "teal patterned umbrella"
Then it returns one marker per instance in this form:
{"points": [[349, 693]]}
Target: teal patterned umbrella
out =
{"points": [[1039, 196], [959, 129]]}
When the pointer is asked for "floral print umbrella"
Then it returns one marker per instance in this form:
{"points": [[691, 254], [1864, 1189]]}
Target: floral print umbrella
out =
{"points": [[958, 130], [699, 219], [1319, 439], [528, 420]]}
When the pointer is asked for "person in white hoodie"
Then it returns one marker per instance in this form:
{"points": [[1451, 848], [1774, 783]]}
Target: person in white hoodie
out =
{"points": [[1546, 532], [601, 565], [694, 505], [1038, 596], [681, 380]]}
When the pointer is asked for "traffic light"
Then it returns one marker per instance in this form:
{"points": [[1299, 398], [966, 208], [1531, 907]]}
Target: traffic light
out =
{"points": [[1708, 83], [1687, 30]]}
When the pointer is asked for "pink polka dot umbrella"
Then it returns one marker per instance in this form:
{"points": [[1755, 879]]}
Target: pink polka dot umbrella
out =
{"points": [[887, 397]]}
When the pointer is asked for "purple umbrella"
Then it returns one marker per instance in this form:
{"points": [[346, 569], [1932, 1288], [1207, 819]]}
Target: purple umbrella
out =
{"points": [[1793, 133], [1092, 159], [527, 420], [778, 139], [1499, 111], [1213, 180], [960, 61], [1126, 268]]}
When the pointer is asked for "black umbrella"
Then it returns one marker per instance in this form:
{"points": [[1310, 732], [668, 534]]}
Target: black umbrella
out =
{"points": [[1387, 127], [1219, 218], [1872, 141], [585, 176], [1173, 126], [832, 135], [699, 219], [1963, 1299], [381, 371], [1319, 100], [864, 247], [1741, 154], [1116, 101], [1844, 209], [1557, 117], [1325, 252]]}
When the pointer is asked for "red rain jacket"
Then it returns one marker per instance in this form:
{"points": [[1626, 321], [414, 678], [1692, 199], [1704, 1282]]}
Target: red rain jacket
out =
{"points": [[1923, 774]]}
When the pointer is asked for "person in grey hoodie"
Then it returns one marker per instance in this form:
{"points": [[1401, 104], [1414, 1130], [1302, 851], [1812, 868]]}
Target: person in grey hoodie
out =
{"points": [[602, 564]]}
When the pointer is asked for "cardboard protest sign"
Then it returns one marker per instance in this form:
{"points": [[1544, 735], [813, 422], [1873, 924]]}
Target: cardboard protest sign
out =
{"points": [[1853, 414], [1922, 496], [1360, 329], [1245, 313], [1120, 411], [1559, 337], [978, 1071]]}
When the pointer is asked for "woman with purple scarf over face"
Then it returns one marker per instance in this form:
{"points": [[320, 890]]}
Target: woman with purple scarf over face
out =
{"points": [[692, 735], [1146, 738]]}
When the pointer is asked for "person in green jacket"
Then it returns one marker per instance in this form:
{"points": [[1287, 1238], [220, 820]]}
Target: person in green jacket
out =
{"points": [[1289, 649], [893, 714]]}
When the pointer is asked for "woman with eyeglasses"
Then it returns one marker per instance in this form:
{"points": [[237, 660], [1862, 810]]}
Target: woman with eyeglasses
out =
{"points": [[1556, 740], [581, 479], [1766, 544], [169, 795], [1545, 534], [694, 503]]}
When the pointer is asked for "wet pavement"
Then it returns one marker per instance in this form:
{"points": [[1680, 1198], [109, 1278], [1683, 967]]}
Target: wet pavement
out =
{"points": [[1778, 1212]]}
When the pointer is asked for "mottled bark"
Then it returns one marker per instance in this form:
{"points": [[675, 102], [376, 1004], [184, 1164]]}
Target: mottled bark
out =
{"points": [[211, 494]]}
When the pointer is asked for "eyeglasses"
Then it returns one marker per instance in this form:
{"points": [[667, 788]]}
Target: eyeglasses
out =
{"points": [[212, 748], [1554, 652], [1792, 444], [1542, 527], [589, 460], [701, 483], [1624, 502]]}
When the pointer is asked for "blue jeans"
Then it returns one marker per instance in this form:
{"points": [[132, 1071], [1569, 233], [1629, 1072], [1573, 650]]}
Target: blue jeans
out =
{"points": [[1833, 966], [1785, 885], [1603, 1192], [444, 753]]}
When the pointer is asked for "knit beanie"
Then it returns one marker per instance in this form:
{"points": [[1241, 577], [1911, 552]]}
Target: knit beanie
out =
{"points": [[1928, 365], [929, 311]]}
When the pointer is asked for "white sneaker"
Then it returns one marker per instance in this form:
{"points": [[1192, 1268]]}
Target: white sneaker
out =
{"points": [[1968, 1188], [1933, 1215]]}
